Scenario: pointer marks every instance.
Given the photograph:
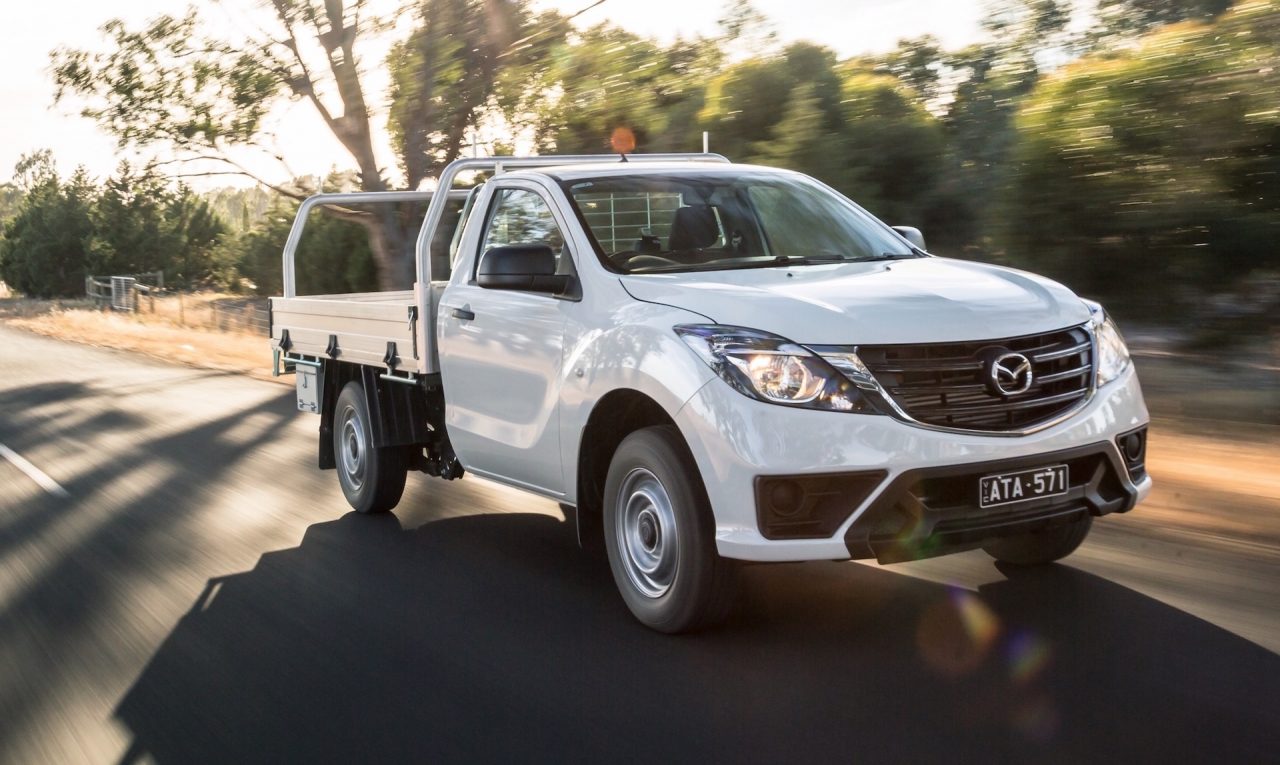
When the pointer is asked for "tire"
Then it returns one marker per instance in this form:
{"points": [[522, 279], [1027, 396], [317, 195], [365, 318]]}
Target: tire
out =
{"points": [[660, 536], [372, 478], [1040, 547]]}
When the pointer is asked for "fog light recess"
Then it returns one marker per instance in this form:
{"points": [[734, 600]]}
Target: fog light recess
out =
{"points": [[1133, 448], [810, 506]]}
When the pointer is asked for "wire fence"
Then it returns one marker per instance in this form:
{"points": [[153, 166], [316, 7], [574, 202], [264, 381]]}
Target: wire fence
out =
{"points": [[239, 315], [145, 295]]}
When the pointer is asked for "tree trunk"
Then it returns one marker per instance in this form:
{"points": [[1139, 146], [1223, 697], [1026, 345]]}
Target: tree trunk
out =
{"points": [[392, 242]]}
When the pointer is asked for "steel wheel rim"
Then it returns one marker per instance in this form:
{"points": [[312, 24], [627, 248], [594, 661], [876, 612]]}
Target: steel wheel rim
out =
{"points": [[648, 538], [351, 448]]}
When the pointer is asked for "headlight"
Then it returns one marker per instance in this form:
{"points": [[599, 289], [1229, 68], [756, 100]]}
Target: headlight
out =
{"points": [[1113, 354], [774, 369]]}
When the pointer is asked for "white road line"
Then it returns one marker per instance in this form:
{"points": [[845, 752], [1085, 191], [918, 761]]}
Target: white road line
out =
{"points": [[33, 472]]}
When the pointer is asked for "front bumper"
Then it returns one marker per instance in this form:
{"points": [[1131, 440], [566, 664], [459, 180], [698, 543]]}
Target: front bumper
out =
{"points": [[735, 439]]}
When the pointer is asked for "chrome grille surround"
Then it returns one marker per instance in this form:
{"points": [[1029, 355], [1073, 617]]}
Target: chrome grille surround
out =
{"points": [[944, 385]]}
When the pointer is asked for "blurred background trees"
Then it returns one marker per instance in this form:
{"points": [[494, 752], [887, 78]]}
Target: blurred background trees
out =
{"points": [[63, 230], [1138, 146]]}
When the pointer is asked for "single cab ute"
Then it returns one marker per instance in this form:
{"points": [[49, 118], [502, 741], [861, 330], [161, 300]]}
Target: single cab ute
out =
{"points": [[707, 363]]}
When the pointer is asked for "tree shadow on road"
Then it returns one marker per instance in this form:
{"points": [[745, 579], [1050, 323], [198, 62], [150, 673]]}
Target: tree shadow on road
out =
{"points": [[73, 558], [491, 638]]}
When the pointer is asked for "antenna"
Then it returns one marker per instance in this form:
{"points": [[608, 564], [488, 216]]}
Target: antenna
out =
{"points": [[706, 142]]}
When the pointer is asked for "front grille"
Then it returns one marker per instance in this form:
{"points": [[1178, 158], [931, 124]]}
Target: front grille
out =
{"points": [[947, 384]]}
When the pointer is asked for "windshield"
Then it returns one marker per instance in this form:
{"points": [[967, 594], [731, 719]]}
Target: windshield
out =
{"points": [[653, 223]]}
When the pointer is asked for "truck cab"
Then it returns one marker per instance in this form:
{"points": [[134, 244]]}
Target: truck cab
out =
{"points": [[708, 363]]}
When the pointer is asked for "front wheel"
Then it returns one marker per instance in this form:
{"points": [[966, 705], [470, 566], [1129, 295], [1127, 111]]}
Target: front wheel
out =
{"points": [[372, 478], [1039, 547], [660, 535]]}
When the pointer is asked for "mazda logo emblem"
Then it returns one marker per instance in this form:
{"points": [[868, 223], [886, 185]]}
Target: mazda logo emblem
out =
{"points": [[1009, 374]]}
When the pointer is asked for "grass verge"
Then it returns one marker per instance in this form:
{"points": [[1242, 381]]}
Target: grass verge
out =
{"points": [[199, 331]]}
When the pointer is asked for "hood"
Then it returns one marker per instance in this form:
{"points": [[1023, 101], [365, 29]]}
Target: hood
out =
{"points": [[918, 300]]}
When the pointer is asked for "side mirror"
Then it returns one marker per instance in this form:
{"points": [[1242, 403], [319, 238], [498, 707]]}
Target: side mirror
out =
{"points": [[523, 267], [912, 235]]}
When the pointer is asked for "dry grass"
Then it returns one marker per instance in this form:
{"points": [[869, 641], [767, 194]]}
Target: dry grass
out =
{"points": [[161, 334]]}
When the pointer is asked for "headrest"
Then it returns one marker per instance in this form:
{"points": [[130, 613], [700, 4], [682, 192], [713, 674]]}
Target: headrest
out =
{"points": [[694, 228]]}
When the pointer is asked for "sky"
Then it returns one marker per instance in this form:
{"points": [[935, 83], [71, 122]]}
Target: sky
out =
{"points": [[29, 120]]}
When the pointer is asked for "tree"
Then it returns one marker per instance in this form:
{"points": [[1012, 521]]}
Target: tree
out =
{"points": [[10, 200], [135, 222], [43, 251], [1112, 172], [462, 62], [745, 104], [1121, 20], [745, 31], [170, 87], [892, 148], [240, 208], [334, 255], [919, 63], [609, 78]]}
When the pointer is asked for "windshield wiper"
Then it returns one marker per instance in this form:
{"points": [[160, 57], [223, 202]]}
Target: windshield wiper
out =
{"points": [[792, 260], [884, 256], [777, 261], [733, 265]]}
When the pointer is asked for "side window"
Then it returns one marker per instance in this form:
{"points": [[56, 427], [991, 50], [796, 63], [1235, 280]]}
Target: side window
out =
{"points": [[522, 217]]}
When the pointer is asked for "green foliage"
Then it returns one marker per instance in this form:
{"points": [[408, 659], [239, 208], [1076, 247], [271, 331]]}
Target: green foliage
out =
{"points": [[43, 252], [334, 255], [254, 254], [168, 83], [918, 62], [1159, 160], [10, 200], [463, 59], [746, 103], [892, 149], [136, 222], [240, 208], [610, 78], [1119, 19], [866, 134]]}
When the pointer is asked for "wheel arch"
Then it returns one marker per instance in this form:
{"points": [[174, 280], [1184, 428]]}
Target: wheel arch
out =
{"points": [[616, 415]]}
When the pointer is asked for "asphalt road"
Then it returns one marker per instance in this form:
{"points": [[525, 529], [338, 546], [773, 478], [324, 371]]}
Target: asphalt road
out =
{"points": [[200, 594]]}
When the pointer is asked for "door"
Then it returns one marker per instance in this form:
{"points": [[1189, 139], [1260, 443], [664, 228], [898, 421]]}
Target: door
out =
{"points": [[501, 353]]}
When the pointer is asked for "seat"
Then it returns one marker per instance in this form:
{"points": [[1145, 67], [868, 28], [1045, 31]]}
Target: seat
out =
{"points": [[694, 228]]}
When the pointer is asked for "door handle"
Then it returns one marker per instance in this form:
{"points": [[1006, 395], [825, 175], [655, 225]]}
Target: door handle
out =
{"points": [[462, 313]]}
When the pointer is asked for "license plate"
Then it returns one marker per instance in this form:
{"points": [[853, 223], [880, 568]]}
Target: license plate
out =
{"points": [[1007, 488]]}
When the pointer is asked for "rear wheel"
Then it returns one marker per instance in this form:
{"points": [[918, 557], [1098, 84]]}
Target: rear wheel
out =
{"points": [[660, 535], [372, 478], [1039, 547]]}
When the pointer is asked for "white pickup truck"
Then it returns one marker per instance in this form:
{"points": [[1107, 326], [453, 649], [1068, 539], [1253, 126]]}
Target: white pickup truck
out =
{"points": [[707, 363]]}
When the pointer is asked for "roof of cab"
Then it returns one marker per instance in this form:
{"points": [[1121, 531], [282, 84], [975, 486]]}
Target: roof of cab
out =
{"points": [[598, 170]]}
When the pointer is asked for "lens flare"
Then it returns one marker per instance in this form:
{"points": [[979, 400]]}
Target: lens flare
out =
{"points": [[1028, 655], [955, 635]]}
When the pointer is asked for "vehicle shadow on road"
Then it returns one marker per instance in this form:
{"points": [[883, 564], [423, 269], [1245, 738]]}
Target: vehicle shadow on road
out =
{"points": [[491, 638]]}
